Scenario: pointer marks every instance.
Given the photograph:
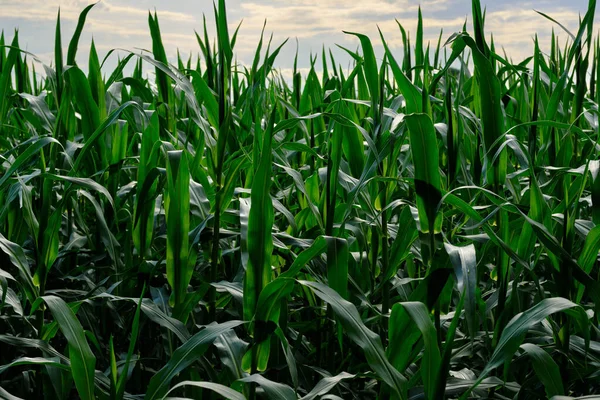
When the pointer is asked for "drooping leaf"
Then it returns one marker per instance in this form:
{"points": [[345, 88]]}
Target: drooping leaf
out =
{"points": [[545, 368], [368, 340], [189, 352], [83, 361]]}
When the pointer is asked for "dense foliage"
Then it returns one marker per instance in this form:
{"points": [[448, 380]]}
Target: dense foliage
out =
{"points": [[419, 226]]}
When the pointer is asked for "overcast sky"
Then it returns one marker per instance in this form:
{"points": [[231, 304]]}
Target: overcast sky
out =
{"points": [[123, 23]]}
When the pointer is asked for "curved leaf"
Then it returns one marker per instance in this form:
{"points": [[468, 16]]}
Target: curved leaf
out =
{"points": [[515, 331], [221, 390], [83, 361], [465, 268], [326, 384], [431, 360], [545, 368], [368, 340], [185, 355], [273, 390]]}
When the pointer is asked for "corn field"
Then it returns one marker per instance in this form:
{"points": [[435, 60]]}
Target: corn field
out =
{"points": [[424, 224]]}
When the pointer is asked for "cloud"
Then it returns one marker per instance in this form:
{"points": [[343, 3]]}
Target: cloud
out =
{"points": [[70, 10], [112, 24], [137, 13], [315, 23]]}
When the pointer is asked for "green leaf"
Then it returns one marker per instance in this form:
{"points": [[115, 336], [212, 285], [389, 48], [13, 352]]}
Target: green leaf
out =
{"points": [[25, 156], [143, 225], [158, 50], [208, 98], [72, 52], [33, 361], [185, 355], [155, 314], [96, 81], [83, 361], [424, 151], [515, 331], [371, 72], [84, 101], [326, 384], [556, 249], [365, 338], [41, 110], [410, 92], [448, 347], [273, 390], [177, 207], [260, 223], [33, 344], [268, 309], [221, 390], [58, 58], [464, 260], [231, 350], [135, 329], [318, 247], [588, 256], [337, 265], [6, 79], [110, 120], [545, 368], [431, 360], [85, 183], [492, 116], [17, 257]]}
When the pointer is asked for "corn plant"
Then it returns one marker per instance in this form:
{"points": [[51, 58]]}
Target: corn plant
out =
{"points": [[418, 225]]}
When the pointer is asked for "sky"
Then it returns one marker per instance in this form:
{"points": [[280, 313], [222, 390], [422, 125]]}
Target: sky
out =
{"points": [[314, 23]]}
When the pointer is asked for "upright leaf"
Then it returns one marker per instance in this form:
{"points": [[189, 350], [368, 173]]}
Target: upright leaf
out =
{"points": [[177, 207], [260, 223]]}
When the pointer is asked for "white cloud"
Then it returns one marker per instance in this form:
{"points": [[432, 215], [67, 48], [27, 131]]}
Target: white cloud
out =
{"points": [[123, 24]]}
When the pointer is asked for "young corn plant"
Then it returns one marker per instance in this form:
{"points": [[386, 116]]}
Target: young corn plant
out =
{"points": [[417, 225]]}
